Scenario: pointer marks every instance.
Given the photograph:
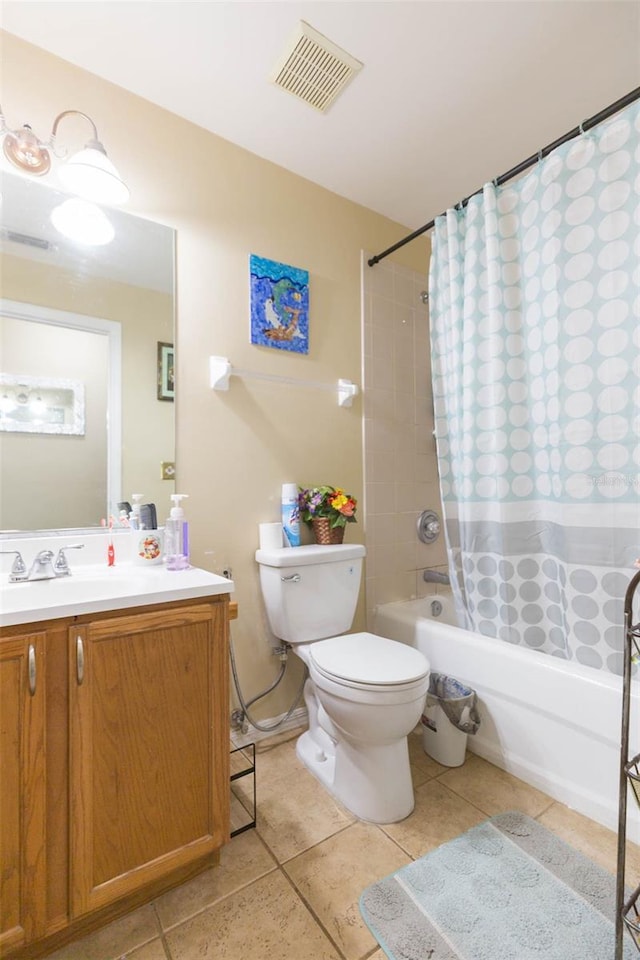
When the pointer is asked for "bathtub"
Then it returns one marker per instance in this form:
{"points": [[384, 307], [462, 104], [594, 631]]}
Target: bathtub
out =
{"points": [[553, 723]]}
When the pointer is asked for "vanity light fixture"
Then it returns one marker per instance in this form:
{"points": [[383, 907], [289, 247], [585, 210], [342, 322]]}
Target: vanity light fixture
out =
{"points": [[88, 173]]}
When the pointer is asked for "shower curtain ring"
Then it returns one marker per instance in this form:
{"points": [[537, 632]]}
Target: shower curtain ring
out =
{"points": [[581, 127], [539, 155]]}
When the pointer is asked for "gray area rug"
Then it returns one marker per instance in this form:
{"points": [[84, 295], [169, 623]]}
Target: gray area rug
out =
{"points": [[507, 889]]}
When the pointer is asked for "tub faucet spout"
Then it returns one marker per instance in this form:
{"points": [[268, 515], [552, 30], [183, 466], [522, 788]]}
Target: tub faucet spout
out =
{"points": [[434, 576]]}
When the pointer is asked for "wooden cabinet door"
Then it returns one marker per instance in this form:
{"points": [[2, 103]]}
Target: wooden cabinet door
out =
{"points": [[22, 790], [149, 748]]}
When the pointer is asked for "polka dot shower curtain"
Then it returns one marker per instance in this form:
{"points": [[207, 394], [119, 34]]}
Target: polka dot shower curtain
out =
{"points": [[535, 339]]}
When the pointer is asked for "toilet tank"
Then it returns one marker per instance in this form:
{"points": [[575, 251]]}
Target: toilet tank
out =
{"points": [[310, 592]]}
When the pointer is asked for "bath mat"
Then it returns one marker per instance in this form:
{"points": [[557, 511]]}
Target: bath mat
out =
{"points": [[508, 889]]}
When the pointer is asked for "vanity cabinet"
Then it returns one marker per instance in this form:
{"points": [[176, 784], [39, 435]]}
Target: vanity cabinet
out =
{"points": [[114, 769], [146, 791]]}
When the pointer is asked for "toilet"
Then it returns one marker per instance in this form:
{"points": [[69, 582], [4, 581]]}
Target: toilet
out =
{"points": [[364, 693]]}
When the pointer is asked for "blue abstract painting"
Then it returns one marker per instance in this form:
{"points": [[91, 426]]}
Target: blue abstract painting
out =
{"points": [[279, 305]]}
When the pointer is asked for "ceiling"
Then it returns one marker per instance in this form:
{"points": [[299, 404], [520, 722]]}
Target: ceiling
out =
{"points": [[452, 93]]}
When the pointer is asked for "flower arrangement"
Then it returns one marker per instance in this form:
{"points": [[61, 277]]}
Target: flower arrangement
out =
{"points": [[331, 502]]}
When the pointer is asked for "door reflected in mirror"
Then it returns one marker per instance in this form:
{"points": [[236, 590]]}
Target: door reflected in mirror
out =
{"points": [[93, 316]]}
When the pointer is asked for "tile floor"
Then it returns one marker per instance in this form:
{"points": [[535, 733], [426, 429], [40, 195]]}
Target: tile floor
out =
{"points": [[289, 890]]}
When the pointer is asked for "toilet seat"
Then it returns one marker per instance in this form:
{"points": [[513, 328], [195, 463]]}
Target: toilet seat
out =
{"points": [[366, 660]]}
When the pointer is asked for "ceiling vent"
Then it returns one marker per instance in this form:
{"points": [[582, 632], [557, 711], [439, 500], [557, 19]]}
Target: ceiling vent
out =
{"points": [[315, 69]]}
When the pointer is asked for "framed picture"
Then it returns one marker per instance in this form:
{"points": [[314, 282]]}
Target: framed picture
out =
{"points": [[166, 373], [41, 405], [279, 305]]}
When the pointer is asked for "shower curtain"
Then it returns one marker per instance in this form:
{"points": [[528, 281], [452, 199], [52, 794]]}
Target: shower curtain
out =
{"points": [[534, 295]]}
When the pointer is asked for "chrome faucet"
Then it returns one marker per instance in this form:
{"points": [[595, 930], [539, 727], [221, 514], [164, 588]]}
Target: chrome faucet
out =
{"points": [[42, 567]]}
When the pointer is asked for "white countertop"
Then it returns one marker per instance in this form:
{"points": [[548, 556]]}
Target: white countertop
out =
{"points": [[96, 588]]}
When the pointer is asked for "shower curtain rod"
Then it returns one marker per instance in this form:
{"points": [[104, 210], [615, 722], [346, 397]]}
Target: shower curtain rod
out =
{"points": [[521, 167]]}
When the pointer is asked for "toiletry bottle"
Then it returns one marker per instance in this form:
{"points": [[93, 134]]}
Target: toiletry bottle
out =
{"points": [[176, 536], [134, 516], [290, 515], [148, 516]]}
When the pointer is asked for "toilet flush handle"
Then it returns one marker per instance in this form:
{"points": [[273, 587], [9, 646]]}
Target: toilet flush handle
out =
{"points": [[294, 578]]}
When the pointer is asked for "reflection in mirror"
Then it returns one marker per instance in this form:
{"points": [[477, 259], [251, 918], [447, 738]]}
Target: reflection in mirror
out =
{"points": [[90, 316], [41, 405]]}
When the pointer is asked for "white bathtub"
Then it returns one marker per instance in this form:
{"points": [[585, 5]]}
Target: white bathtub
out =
{"points": [[552, 723]]}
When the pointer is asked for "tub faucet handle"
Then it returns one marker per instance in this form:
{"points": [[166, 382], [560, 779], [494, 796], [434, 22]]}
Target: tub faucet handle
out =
{"points": [[428, 526]]}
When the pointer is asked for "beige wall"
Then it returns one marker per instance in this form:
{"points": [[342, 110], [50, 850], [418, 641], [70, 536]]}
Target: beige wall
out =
{"points": [[234, 449]]}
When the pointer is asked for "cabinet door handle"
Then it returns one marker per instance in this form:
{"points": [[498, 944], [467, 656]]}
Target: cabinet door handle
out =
{"points": [[79, 660], [31, 660]]}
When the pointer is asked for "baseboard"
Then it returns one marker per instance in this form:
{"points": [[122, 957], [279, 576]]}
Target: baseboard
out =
{"points": [[297, 719]]}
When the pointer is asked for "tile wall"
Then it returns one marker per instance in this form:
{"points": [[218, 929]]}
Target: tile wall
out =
{"points": [[401, 477]]}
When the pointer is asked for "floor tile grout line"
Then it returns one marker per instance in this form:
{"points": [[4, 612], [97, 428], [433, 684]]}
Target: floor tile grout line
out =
{"points": [[471, 803], [507, 773], [318, 843], [546, 809], [276, 866], [310, 909], [266, 845], [128, 950], [214, 903], [163, 939]]}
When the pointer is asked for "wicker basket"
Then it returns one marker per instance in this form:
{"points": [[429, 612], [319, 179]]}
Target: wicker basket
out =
{"points": [[326, 534]]}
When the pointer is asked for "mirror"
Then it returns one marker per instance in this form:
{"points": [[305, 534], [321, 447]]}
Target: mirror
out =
{"points": [[86, 418]]}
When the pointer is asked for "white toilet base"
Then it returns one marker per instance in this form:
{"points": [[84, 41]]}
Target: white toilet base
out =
{"points": [[373, 781]]}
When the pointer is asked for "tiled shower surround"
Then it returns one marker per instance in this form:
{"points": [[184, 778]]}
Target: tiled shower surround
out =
{"points": [[401, 476]]}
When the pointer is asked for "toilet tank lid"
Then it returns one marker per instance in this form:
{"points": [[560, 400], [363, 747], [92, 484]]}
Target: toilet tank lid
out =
{"points": [[310, 554]]}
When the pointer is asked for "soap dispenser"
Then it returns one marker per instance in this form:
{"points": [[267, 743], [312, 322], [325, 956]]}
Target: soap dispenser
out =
{"points": [[176, 536]]}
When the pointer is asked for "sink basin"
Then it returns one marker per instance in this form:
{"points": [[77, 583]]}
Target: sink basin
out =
{"points": [[97, 588]]}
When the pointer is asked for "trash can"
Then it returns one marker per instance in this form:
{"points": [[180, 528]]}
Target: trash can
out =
{"points": [[450, 715]]}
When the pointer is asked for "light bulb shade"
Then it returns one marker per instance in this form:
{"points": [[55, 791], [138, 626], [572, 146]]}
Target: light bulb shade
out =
{"points": [[83, 222], [90, 174]]}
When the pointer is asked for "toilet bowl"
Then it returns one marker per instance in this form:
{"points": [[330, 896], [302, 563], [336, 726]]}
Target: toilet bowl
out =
{"points": [[370, 693], [364, 693]]}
